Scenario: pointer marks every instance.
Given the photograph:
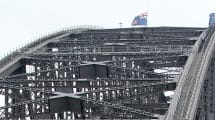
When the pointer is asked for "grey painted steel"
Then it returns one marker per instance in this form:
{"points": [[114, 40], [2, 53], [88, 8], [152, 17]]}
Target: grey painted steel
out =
{"points": [[109, 74]]}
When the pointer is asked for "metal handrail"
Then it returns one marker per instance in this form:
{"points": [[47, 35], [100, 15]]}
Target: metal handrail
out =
{"points": [[75, 29], [174, 106]]}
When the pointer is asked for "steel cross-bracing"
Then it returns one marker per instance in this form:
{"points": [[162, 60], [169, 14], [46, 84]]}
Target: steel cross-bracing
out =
{"points": [[126, 73]]}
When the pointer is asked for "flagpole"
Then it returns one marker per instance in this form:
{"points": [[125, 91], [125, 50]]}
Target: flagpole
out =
{"points": [[147, 6], [147, 10]]}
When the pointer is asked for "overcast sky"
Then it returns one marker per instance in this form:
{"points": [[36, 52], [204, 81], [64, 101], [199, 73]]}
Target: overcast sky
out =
{"points": [[23, 20]]}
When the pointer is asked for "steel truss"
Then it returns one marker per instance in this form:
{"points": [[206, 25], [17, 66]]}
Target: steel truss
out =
{"points": [[103, 74]]}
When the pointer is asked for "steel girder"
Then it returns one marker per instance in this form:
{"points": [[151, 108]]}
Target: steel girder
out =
{"points": [[107, 73]]}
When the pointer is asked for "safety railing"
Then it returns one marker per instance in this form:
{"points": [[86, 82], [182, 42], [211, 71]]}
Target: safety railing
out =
{"points": [[200, 75], [182, 92], [76, 29]]}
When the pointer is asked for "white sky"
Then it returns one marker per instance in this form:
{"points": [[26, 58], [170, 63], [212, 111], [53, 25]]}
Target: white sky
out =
{"points": [[23, 20]]}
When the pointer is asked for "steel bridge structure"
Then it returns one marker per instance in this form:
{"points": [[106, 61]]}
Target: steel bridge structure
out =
{"points": [[125, 73]]}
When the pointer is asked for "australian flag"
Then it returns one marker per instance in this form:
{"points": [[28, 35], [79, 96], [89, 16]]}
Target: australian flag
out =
{"points": [[140, 20]]}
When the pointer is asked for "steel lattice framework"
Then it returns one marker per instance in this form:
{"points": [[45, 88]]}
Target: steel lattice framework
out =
{"points": [[91, 73]]}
